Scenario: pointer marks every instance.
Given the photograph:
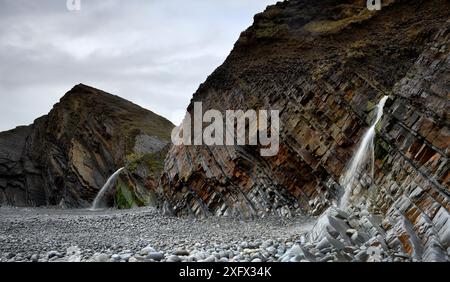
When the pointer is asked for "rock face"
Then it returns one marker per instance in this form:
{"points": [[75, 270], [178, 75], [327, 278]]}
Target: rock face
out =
{"points": [[325, 66], [66, 156]]}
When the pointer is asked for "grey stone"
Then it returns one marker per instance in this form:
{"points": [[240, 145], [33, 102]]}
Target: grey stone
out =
{"points": [[115, 257], [200, 256], [308, 255], [256, 260], [295, 251], [253, 245], [73, 254], [34, 258], [181, 252], [53, 254], [125, 256], [323, 244], [326, 258], [209, 259], [335, 243], [101, 257], [54, 258], [157, 256], [271, 250], [173, 258], [147, 250], [362, 256], [133, 259], [351, 231]]}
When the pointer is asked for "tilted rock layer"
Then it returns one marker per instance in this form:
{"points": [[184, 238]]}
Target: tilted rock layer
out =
{"points": [[66, 156], [325, 65]]}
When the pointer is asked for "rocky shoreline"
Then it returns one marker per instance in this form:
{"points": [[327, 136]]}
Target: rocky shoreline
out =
{"points": [[142, 234], [325, 65], [145, 235]]}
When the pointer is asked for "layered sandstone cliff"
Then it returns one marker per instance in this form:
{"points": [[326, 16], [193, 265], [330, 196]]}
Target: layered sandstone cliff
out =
{"points": [[66, 156], [324, 65]]}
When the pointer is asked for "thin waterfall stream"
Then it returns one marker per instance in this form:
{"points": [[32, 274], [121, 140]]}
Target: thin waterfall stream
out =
{"points": [[364, 155], [355, 168], [109, 182]]}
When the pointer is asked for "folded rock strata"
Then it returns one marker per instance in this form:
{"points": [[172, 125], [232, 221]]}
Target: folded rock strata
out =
{"points": [[325, 65], [66, 156]]}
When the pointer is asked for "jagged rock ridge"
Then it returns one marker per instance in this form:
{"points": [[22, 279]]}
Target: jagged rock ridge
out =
{"points": [[66, 156], [325, 65]]}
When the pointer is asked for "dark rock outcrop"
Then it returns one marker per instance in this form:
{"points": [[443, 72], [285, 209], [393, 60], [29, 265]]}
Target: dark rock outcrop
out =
{"points": [[324, 65], [66, 156]]}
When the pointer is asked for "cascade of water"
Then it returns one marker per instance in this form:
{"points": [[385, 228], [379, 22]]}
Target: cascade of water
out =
{"points": [[111, 180], [364, 155]]}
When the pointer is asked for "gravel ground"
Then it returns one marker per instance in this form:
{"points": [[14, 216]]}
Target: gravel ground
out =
{"points": [[45, 234]]}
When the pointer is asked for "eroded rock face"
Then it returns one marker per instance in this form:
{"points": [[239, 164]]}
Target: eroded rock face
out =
{"points": [[66, 156], [413, 179], [325, 66]]}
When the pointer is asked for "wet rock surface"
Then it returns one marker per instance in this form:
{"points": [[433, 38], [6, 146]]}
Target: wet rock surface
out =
{"points": [[357, 236]]}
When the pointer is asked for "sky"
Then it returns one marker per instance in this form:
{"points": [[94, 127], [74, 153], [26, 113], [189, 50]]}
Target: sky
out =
{"points": [[154, 53]]}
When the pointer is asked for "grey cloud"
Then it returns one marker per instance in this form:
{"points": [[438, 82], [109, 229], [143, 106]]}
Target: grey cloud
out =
{"points": [[152, 52]]}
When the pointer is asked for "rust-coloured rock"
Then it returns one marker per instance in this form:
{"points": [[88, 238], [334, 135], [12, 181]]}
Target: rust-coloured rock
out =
{"points": [[325, 65]]}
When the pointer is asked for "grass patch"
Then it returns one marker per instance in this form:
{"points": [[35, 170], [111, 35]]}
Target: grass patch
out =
{"points": [[154, 162], [333, 26], [125, 198]]}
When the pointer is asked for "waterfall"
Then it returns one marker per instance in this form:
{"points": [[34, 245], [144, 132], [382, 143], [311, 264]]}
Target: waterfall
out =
{"points": [[364, 155], [109, 182]]}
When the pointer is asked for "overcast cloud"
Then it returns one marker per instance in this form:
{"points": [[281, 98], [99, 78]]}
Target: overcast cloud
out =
{"points": [[154, 53]]}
